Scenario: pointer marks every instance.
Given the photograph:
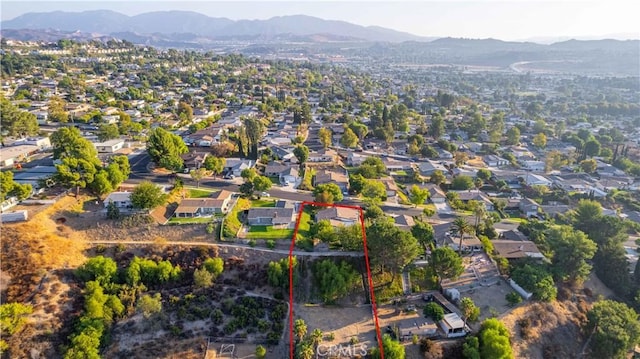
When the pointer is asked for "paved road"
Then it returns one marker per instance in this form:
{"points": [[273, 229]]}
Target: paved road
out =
{"points": [[240, 246], [139, 173]]}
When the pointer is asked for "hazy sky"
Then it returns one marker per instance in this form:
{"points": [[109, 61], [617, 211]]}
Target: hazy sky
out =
{"points": [[507, 20]]}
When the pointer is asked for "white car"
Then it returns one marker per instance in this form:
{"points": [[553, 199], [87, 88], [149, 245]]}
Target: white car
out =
{"points": [[264, 194]]}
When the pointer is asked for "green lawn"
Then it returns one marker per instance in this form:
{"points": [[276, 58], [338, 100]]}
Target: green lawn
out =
{"points": [[232, 221], [275, 180], [263, 203], [268, 232], [191, 220], [199, 193], [305, 225], [517, 220]]}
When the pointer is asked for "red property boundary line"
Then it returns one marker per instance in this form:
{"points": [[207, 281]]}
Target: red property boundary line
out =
{"points": [[366, 258]]}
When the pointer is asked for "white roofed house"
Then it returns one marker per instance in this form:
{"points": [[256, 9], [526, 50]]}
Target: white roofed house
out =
{"points": [[110, 146], [452, 326], [235, 166], [536, 180], [339, 216], [282, 215], [122, 200]]}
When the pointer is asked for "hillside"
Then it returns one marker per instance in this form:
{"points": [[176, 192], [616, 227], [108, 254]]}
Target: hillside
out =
{"points": [[178, 22]]}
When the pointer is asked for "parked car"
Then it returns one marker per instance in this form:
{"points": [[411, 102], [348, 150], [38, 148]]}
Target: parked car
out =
{"points": [[264, 194]]}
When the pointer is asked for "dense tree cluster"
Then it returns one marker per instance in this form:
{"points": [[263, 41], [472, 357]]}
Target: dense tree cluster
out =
{"points": [[16, 122], [80, 166], [334, 280], [9, 187]]}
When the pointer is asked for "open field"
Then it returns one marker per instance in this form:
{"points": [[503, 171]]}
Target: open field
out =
{"points": [[344, 322]]}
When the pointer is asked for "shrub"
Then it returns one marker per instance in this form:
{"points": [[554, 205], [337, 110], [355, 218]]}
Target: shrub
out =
{"points": [[252, 243], [271, 244], [434, 311], [210, 228], [513, 298], [202, 278]]}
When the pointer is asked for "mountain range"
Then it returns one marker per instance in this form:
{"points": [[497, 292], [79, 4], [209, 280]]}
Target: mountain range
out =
{"points": [[107, 22]]}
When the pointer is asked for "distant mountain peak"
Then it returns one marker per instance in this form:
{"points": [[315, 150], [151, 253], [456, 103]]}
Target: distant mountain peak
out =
{"points": [[180, 21]]}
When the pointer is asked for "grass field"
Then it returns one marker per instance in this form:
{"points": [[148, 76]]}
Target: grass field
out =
{"points": [[268, 232], [263, 203], [199, 193]]}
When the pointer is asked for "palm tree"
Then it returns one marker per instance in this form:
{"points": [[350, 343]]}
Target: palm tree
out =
{"points": [[461, 226], [480, 211]]}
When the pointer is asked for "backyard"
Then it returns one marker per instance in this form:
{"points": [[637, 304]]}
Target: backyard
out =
{"points": [[269, 232]]}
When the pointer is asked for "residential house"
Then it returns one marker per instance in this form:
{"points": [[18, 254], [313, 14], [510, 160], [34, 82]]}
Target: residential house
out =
{"points": [[475, 195], [282, 215], [390, 186], [470, 243], [234, 166], [323, 155], [285, 173], [194, 160], [396, 165], [495, 161], [16, 154], [554, 209], [444, 154], [110, 146], [436, 194], [196, 207], [536, 180], [452, 326], [122, 200], [327, 176], [529, 207], [535, 166], [339, 216], [605, 169], [416, 324], [355, 159], [427, 168], [404, 222], [513, 249]]}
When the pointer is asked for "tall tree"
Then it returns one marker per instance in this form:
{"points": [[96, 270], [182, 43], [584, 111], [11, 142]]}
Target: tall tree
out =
{"points": [[540, 140], [79, 158], [513, 136], [436, 130], [165, 149], [470, 312], [446, 263], [349, 139], [615, 328], [198, 174], [571, 251], [461, 226], [417, 195], [15, 121], [147, 196], [389, 247], [302, 153], [328, 193], [324, 134], [215, 164], [494, 340]]}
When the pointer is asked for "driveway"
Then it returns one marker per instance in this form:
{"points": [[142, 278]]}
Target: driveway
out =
{"points": [[443, 208]]}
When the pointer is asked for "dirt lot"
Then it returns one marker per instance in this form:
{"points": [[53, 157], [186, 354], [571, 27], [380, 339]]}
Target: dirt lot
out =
{"points": [[490, 299], [343, 322]]}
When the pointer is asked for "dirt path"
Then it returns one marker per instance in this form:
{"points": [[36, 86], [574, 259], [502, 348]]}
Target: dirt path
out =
{"points": [[237, 246]]}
